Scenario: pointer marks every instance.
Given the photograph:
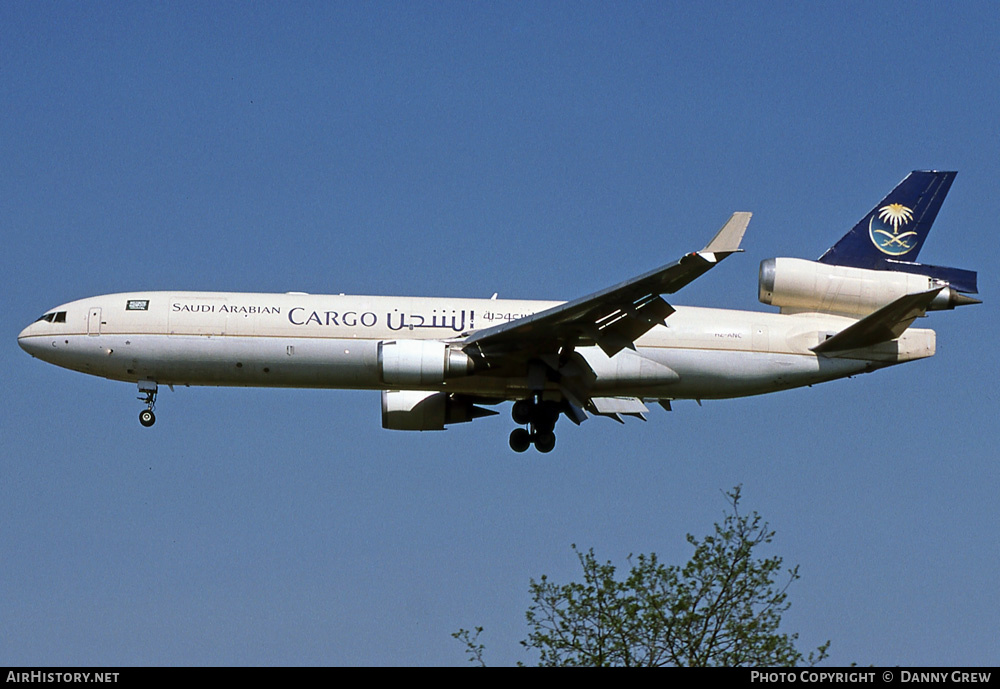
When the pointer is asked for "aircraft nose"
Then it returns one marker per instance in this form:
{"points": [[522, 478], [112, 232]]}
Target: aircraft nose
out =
{"points": [[29, 343]]}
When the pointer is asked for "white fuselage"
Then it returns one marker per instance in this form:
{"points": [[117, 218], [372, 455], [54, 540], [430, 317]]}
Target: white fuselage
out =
{"points": [[331, 341]]}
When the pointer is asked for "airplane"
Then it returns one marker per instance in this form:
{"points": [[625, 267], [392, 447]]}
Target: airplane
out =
{"points": [[441, 361]]}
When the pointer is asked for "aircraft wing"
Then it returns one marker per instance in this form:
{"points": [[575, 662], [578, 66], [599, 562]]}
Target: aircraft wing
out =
{"points": [[612, 318]]}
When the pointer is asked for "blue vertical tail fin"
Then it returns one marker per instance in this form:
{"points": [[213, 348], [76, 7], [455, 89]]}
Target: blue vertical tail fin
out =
{"points": [[895, 228], [892, 233]]}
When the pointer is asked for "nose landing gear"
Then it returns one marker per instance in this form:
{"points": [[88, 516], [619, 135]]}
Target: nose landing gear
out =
{"points": [[147, 394], [541, 418]]}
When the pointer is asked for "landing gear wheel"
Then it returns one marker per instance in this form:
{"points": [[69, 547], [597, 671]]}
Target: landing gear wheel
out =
{"points": [[147, 395], [545, 442], [544, 418], [520, 439], [522, 412]]}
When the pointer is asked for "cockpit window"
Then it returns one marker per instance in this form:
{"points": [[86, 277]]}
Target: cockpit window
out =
{"points": [[47, 317], [60, 317], [53, 317]]}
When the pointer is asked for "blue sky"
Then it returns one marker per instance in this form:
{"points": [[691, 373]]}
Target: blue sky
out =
{"points": [[460, 149]]}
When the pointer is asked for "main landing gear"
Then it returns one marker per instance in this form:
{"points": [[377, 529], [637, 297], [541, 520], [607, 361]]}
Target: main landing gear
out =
{"points": [[147, 394], [541, 419]]}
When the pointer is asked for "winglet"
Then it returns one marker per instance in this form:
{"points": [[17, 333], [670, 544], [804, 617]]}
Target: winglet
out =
{"points": [[727, 240]]}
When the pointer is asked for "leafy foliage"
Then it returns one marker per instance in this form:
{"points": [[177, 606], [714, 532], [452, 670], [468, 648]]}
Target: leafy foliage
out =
{"points": [[722, 608]]}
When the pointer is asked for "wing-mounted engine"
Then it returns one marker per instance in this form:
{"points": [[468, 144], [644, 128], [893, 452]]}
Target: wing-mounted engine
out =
{"points": [[797, 285], [420, 362], [418, 410]]}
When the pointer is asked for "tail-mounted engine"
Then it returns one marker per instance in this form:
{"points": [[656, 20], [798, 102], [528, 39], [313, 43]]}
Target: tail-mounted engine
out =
{"points": [[798, 285]]}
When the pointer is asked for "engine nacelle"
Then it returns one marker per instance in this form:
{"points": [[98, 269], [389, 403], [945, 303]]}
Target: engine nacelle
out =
{"points": [[798, 285], [419, 410], [420, 362]]}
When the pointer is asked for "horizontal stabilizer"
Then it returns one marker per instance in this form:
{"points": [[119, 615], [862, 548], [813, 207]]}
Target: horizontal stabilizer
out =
{"points": [[958, 279], [884, 325]]}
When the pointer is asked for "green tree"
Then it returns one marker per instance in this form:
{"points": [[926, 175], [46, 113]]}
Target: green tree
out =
{"points": [[722, 608]]}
